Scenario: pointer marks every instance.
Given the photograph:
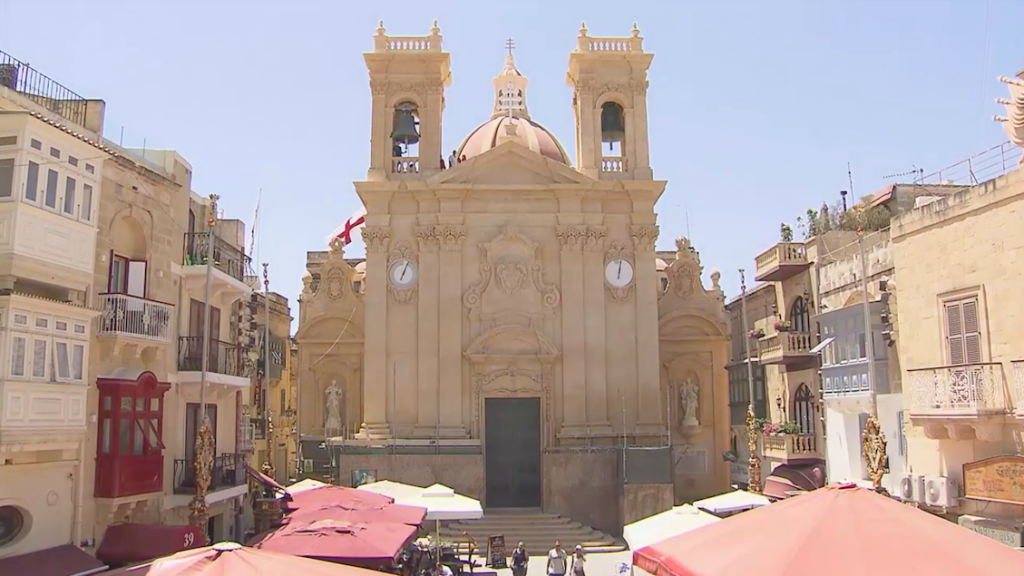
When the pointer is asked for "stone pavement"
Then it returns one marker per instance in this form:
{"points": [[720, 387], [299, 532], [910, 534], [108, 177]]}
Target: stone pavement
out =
{"points": [[598, 564]]}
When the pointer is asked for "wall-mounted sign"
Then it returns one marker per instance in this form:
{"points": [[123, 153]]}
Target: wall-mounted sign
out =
{"points": [[998, 479]]}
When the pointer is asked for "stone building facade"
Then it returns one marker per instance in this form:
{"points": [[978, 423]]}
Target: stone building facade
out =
{"points": [[511, 326]]}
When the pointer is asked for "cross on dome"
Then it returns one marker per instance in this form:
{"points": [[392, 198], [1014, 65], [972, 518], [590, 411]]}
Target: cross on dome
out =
{"points": [[510, 88], [510, 44]]}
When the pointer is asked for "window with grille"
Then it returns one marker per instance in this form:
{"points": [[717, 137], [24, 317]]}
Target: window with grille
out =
{"points": [[963, 332]]}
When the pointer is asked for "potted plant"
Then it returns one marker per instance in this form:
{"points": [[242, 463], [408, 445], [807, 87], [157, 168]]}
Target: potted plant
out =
{"points": [[756, 333], [783, 326], [789, 428]]}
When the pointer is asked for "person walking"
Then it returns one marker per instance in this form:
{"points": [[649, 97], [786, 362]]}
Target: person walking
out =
{"points": [[577, 561], [557, 560], [520, 560]]}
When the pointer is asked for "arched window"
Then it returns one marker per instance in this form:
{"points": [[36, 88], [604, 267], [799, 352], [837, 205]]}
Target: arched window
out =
{"points": [[799, 317], [803, 409], [613, 129]]}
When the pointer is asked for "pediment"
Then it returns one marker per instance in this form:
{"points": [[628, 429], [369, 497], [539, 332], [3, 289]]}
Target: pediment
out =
{"points": [[511, 164], [330, 328]]}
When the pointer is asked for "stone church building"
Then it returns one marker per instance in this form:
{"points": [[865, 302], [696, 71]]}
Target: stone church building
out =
{"points": [[512, 326]]}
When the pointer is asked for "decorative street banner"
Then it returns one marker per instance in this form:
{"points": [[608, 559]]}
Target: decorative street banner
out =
{"points": [[998, 479]]}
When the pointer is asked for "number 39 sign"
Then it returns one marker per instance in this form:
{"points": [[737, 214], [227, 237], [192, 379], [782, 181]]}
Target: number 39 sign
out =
{"points": [[190, 539]]}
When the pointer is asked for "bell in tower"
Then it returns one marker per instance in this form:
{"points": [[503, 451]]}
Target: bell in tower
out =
{"points": [[406, 126], [613, 128]]}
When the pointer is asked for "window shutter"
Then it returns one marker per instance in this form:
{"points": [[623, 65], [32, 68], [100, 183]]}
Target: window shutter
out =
{"points": [[137, 278], [972, 332], [954, 334]]}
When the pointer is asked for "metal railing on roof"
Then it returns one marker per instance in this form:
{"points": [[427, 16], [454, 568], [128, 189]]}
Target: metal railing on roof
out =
{"points": [[987, 165], [43, 90]]}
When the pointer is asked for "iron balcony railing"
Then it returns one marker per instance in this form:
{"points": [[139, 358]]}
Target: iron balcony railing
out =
{"points": [[135, 317], [41, 89], [224, 358], [226, 258], [1018, 386], [961, 390], [228, 472]]}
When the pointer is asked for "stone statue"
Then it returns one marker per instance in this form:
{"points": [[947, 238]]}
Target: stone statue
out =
{"points": [[688, 401], [333, 419]]}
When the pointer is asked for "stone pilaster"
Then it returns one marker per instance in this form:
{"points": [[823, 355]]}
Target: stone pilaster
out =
{"points": [[429, 395], [593, 298], [574, 392], [375, 377], [450, 238], [649, 397]]}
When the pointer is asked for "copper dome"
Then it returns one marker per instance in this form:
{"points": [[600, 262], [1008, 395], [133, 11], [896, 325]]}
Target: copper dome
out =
{"points": [[528, 133]]}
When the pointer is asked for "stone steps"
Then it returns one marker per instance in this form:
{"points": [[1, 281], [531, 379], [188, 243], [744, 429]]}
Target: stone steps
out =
{"points": [[537, 530]]}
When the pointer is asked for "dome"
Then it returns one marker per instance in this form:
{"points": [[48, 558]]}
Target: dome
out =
{"points": [[528, 133]]}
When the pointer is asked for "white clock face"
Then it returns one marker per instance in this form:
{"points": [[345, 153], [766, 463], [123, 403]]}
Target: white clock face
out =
{"points": [[619, 273], [402, 273]]}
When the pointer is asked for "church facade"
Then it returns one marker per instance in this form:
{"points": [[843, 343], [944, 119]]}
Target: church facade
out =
{"points": [[512, 325]]}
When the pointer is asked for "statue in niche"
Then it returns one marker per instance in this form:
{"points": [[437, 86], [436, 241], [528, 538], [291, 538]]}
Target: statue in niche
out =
{"points": [[333, 418], [688, 392]]}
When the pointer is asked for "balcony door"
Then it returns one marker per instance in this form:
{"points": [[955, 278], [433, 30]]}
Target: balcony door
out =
{"points": [[195, 332], [803, 409], [192, 422]]}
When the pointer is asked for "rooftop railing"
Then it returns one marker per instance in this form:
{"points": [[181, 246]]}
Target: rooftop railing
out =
{"points": [[41, 89]]}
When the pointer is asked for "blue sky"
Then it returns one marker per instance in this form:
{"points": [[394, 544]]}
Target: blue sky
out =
{"points": [[755, 107]]}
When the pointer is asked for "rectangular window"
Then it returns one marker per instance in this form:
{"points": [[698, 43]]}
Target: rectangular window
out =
{"points": [[89, 168], [963, 332], [6, 177], [55, 153], [72, 160], [862, 346], [124, 439], [39, 357], [36, 145], [118, 275], [51, 189], [86, 211], [106, 436], [70, 184], [282, 402], [78, 362], [18, 345], [32, 182], [62, 360], [8, 140]]}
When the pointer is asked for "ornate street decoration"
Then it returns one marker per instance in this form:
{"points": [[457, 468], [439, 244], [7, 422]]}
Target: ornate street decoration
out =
{"points": [[754, 472], [875, 453], [199, 511]]}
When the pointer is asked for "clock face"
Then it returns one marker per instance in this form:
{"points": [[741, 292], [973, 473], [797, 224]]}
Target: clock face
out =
{"points": [[402, 273], [619, 273]]}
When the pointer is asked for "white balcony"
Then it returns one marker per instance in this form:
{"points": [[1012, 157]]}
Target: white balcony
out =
{"points": [[41, 416], [132, 317], [951, 401], [781, 261]]}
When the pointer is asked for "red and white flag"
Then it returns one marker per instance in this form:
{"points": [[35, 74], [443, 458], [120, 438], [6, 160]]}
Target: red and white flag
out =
{"points": [[354, 223]]}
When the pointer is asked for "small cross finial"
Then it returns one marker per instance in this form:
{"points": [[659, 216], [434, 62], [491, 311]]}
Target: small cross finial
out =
{"points": [[509, 45]]}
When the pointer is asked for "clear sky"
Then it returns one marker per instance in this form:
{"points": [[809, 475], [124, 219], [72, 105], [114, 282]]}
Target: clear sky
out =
{"points": [[755, 107]]}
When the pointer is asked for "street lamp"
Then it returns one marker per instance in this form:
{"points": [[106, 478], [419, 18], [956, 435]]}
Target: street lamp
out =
{"points": [[873, 438], [754, 465], [199, 511]]}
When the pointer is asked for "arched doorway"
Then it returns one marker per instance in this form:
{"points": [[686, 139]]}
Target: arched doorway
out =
{"points": [[803, 409]]}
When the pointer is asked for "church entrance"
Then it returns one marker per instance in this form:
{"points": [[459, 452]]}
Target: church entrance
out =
{"points": [[512, 452]]}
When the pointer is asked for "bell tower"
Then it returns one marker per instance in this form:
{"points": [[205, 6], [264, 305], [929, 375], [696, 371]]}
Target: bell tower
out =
{"points": [[609, 81], [408, 75]]}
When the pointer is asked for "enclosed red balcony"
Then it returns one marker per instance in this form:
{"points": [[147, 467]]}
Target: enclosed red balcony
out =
{"points": [[129, 450]]}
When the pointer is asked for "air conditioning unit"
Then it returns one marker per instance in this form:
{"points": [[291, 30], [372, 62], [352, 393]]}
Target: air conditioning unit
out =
{"points": [[940, 491], [912, 488]]}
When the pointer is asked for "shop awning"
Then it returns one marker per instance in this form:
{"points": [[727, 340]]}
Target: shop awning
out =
{"points": [[125, 544], [790, 479], [267, 482], [66, 560], [373, 545], [665, 525]]}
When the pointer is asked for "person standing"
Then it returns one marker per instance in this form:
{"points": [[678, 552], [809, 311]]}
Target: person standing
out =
{"points": [[557, 560], [577, 561], [452, 159], [520, 560]]}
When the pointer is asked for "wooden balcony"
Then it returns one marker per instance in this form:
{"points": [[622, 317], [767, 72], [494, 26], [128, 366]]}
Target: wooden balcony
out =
{"points": [[789, 348], [966, 391], [120, 476], [790, 447], [781, 261]]}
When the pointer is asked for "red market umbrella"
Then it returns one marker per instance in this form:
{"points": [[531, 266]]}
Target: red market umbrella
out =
{"points": [[231, 559], [393, 514], [368, 545], [338, 496], [840, 531]]}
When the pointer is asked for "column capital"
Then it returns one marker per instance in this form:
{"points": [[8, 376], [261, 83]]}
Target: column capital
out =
{"points": [[427, 238], [376, 238], [595, 238], [450, 237], [571, 238], [645, 236]]}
